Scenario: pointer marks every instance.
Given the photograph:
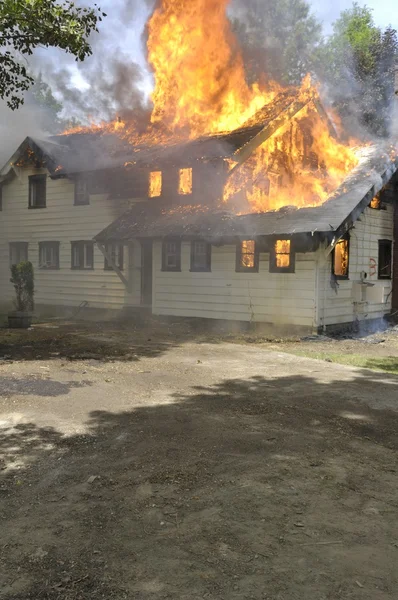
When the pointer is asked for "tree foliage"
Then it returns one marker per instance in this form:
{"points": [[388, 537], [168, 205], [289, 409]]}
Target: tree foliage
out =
{"points": [[278, 39], [358, 63], [28, 24]]}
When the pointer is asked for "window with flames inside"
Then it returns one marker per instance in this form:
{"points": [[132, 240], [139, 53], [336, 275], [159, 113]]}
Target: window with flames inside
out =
{"points": [[247, 257], [282, 258], [340, 259], [185, 182], [155, 184]]}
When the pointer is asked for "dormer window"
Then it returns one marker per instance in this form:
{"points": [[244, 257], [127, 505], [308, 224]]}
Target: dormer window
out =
{"points": [[282, 259], [37, 191], [155, 184], [82, 196], [185, 182]]}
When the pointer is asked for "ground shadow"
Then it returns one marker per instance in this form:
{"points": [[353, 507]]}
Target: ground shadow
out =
{"points": [[275, 488], [37, 386]]}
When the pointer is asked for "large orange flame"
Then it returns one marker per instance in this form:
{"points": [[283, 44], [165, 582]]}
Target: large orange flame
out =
{"points": [[201, 88]]}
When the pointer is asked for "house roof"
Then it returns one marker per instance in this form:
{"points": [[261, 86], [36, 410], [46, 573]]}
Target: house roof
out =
{"points": [[377, 166], [98, 150]]}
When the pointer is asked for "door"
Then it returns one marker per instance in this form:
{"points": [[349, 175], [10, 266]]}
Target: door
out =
{"points": [[146, 272]]}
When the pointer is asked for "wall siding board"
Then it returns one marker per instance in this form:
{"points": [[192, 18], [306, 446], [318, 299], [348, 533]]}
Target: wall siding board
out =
{"points": [[62, 221], [340, 307]]}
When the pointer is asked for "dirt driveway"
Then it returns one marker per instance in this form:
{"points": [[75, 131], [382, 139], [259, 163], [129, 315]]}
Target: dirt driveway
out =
{"points": [[196, 470]]}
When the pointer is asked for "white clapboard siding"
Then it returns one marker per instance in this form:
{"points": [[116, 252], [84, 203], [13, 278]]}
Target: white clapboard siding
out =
{"points": [[63, 222], [279, 298], [342, 306]]}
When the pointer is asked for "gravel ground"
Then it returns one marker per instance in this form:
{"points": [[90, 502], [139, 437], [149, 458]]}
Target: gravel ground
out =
{"points": [[152, 466]]}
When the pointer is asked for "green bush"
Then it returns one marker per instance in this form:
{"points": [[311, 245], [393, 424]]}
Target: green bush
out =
{"points": [[22, 278]]}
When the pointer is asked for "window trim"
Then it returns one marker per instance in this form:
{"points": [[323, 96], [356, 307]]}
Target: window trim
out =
{"points": [[81, 243], [77, 180], [108, 267], [379, 275], [32, 179], [239, 268], [165, 268], [346, 238], [273, 268], [24, 244], [55, 245], [207, 268]]}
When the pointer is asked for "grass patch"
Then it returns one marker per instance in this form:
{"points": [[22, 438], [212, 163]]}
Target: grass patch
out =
{"points": [[389, 364]]}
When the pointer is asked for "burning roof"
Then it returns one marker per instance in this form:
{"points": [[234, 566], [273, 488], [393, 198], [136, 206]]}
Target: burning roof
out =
{"points": [[376, 168]]}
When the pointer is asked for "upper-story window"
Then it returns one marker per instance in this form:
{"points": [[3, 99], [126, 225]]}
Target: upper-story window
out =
{"points": [[341, 258], [49, 255], [155, 184], [82, 196], [171, 255], [282, 257], [185, 182], [18, 252], [37, 191], [247, 257], [200, 256]]}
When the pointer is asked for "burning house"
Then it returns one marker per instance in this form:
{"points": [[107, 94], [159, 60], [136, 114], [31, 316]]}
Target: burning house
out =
{"points": [[234, 202]]}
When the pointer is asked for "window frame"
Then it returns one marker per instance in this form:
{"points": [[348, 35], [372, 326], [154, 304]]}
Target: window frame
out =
{"points": [[32, 180], [165, 267], [345, 238], [81, 244], [86, 195], [207, 267], [390, 246], [273, 267], [239, 268], [120, 266], [180, 176], [56, 246], [24, 245]]}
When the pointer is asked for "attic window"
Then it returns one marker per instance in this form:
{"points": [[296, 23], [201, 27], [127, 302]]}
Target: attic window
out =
{"points": [[37, 191], [340, 258], [185, 182], [376, 202], [247, 257], [282, 257], [82, 196], [155, 184]]}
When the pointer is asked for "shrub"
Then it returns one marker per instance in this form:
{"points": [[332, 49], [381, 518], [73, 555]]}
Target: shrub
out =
{"points": [[22, 278]]}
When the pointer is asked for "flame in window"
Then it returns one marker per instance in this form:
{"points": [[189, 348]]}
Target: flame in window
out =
{"points": [[185, 185], [376, 201], [155, 184], [282, 253], [248, 256], [341, 258]]}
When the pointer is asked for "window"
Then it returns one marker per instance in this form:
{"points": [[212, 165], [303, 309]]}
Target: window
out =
{"points": [[82, 255], [82, 197], [200, 256], [185, 182], [340, 258], [37, 191], [155, 184], [171, 255], [18, 252], [115, 250], [247, 256], [385, 259], [49, 255], [282, 259], [376, 202]]}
